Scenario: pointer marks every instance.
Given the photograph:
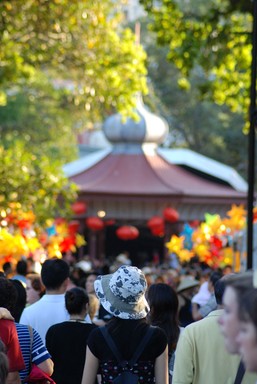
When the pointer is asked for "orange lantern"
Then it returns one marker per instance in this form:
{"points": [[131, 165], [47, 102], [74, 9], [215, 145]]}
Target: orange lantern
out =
{"points": [[94, 223], [127, 232], [79, 207], [170, 215]]}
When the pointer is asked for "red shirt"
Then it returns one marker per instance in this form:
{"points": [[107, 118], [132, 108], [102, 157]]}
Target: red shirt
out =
{"points": [[8, 334]]}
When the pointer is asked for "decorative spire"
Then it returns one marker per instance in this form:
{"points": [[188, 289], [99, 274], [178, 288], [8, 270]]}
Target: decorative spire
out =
{"points": [[149, 129]]}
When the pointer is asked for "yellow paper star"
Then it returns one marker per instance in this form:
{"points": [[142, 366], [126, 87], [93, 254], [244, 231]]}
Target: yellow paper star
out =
{"points": [[175, 244], [237, 211]]}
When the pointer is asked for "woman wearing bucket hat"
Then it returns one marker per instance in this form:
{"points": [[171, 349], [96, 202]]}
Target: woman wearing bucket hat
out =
{"points": [[123, 295]]}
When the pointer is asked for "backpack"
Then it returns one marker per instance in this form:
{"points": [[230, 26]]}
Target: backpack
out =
{"points": [[126, 376]]}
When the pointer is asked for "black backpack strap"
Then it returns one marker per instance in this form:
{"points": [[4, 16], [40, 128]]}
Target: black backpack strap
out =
{"points": [[240, 373], [138, 351], [112, 345]]}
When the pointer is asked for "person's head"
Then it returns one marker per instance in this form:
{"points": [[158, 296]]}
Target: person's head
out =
{"points": [[7, 268], [21, 299], [89, 284], [35, 288], [55, 274], [76, 301], [122, 293], [163, 302], [4, 364], [219, 289], [214, 277], [188, 286], [162, 299], [247, 336], [8, 294], [21, 267], [93, 305], [236, 286]]}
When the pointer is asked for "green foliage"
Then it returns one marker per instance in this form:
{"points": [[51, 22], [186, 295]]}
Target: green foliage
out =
{"points": [[36, 182], [64, 65], [41, 117], [79, 41], [201, 125], [213, 36]]}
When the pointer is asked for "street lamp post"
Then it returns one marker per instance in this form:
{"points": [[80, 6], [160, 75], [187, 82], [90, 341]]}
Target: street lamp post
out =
{"points": [[251, 145]]}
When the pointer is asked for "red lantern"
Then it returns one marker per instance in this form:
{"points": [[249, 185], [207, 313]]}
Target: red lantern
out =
{"points": [[170, 215], [158, 230], [79, 207], [155, 221], [94, 223], [127, 232]]}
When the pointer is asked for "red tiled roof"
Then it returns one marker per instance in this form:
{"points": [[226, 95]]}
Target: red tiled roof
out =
{"points": [[150, 175]]}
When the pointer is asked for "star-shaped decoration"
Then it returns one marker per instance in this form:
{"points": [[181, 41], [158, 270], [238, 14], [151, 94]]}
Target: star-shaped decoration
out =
{"points": [[237, 211], [175, 244]]}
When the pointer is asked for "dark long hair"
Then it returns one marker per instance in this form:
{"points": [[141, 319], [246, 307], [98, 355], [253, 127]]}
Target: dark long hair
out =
{"points": [[163, 302]]}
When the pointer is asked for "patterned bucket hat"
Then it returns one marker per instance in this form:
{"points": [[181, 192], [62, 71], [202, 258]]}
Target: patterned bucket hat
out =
{"points": [[122, 293]]}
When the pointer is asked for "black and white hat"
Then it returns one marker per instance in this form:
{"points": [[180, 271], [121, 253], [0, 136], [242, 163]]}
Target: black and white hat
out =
{"points": [[122, 293]]}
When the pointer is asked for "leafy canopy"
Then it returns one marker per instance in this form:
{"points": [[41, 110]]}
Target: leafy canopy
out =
{"points": [[212, 37], [79, 45], [64, 65]]}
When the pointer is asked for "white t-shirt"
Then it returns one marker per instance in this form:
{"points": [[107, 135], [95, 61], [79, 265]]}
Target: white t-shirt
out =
{"points": [[47, 311]]}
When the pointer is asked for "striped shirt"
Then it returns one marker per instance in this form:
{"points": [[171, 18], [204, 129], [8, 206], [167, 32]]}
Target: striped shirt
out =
{"points": [[37, 354]]}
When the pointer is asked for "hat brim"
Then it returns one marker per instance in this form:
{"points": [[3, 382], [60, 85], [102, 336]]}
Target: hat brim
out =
{"points": [[114, 305], [187, 285]]}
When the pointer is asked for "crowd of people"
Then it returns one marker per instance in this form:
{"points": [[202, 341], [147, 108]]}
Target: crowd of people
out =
{"points": [[79, 323]]}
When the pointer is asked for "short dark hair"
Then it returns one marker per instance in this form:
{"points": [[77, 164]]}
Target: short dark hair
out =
{"points": [[54, 272], [75, 300], [219, 289], [21, 267], [215, 276], [8, 294], [248, 307], [21, 299]]}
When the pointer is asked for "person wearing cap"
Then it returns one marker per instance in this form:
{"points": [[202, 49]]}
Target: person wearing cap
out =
{"points": [[122, 294], [186, 291]]}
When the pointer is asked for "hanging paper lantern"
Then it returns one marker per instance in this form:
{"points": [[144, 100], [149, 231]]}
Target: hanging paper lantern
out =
{"points": [[155, 221], [127, 232], [158, 230], [170, 215], [156, 225], [79, 207], [94, 223]]}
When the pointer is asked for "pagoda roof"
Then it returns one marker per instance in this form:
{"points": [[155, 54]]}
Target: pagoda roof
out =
{"points": [[149, 172]]}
